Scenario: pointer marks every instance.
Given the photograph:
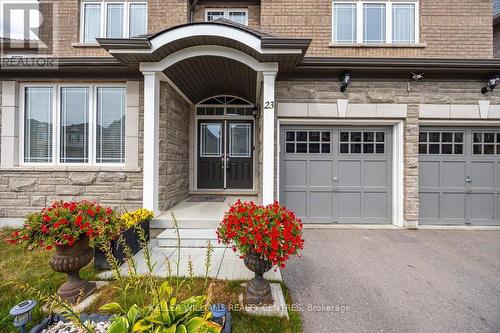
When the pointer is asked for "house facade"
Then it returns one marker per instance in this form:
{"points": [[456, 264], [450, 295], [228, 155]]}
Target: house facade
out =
{"points": [[352, 111]]}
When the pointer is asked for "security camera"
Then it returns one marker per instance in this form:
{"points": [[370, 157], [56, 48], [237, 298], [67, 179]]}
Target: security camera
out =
{"points": [[346, 79], [493, 82], [417, 76]]}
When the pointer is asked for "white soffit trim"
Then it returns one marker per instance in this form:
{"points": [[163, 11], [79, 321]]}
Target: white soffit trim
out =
{"points": [[210, 30], [208, 50]]}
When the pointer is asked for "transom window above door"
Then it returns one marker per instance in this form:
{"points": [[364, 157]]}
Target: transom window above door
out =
{"points": [[225, 106], [375, 22], [238, 15], [112, 19]]}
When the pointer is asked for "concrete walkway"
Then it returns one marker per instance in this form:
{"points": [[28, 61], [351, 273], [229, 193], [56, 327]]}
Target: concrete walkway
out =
{"points": [[225, 264], [397, 281]]}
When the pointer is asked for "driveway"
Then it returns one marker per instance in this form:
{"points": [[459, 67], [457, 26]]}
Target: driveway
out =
{"points": [[397, 281]]}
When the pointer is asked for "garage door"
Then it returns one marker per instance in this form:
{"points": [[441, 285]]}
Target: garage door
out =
{"points": [[459, 176], [336, 174]]}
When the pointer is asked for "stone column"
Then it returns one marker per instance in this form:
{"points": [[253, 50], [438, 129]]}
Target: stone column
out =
{"points": [[411, 133], [268, 127], [151, 140], [9, 153]]}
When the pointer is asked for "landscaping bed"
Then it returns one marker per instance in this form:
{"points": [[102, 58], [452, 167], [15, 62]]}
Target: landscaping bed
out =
{"points": [[20, 271]]}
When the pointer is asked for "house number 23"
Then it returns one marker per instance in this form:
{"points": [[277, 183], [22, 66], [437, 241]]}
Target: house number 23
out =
{"points": [[268, 105]]}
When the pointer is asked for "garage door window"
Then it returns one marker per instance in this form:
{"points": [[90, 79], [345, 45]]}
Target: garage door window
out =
{"points": [[312, 142], [366, 142], [445, 143], [486, 143]]}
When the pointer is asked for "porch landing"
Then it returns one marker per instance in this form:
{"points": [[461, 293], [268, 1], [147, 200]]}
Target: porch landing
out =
{"points": [[198, 215]]}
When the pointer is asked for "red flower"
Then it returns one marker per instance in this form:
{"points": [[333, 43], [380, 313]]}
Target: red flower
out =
{"points": [[90, 212], [49, 247], [46, 218]]}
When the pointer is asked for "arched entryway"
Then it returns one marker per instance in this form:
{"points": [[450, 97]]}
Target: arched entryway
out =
{"points": [[202, 60]]}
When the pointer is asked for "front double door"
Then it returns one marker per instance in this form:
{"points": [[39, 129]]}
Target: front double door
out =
{"points": [[225, 154]]}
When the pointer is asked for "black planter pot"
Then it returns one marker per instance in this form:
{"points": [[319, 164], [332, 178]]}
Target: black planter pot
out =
{"points": [[131, 238], [258, 289]]}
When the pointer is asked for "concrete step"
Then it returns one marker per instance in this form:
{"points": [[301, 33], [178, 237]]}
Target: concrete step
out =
{"points": [[185, 223], [189, 238]]}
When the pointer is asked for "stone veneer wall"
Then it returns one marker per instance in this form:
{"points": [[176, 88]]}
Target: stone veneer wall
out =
{"points": [[174, 147], [426, 92], [27, 189]]}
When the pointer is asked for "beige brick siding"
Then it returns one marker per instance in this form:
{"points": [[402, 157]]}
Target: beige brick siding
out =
{"points": [[449, 28], [253, 12], [496, 41], [174, 147]]}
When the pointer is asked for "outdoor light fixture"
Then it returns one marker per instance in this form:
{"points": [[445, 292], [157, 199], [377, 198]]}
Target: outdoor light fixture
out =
{"points": [[219, 312], [255, 112], [22, 314], [346, 79], [492, 84]]}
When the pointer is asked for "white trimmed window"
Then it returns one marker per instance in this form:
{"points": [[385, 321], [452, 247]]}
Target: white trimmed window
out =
{"points": [[238, 15], [375, 22], [73, 124], [112, 19]]}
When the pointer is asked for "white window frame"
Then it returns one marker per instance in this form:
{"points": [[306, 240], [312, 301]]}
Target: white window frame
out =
{"points": [[56, 121], [226, 12], [104, 16], [388, 20]]}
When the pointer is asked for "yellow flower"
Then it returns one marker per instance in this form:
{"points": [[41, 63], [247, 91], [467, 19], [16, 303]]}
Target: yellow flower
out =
{"points": [[136, 217]]}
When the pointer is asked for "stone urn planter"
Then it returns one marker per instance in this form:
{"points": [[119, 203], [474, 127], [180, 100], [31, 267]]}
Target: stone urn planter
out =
{"points": [[69, 260], [258, 289]]}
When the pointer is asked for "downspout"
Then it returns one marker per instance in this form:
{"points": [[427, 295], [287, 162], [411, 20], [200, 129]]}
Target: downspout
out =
{"points": [[192, 7]]}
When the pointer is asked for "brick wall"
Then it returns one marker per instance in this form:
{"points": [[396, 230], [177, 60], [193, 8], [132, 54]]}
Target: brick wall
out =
{"points": [[496, 41], [164, 14], [174, 147], [449, 28], [253, 12]]}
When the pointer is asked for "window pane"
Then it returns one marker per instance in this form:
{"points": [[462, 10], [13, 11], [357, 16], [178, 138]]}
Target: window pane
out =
{"points": [[114, 20], [74, 125], [110, 131], [374, 23], [314, 148], [344, 20], [290, 147], [301, 147], [211, 136], [138, 19], [38, 125], [240, 138], [215, 15], [238, 17], [92, 22], [403, 23], [290, 136]]}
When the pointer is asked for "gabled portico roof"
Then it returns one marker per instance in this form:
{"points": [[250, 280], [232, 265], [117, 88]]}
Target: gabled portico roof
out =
{"points": [[156, 46]]}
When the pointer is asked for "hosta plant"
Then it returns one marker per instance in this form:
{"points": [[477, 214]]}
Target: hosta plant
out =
{"points": [[164, 315], [271, 232]]}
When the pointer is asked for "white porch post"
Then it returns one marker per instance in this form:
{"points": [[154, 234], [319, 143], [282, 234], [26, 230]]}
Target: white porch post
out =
{"points": [[268, 108], [151, 140]]}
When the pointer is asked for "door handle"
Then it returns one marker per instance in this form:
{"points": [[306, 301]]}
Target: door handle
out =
{"points": [[227, 163], [223, 162], [468, 179]]}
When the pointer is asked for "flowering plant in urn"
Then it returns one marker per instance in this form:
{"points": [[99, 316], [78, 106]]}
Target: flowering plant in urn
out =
{"points": [[70, 227], [265, 236]]}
